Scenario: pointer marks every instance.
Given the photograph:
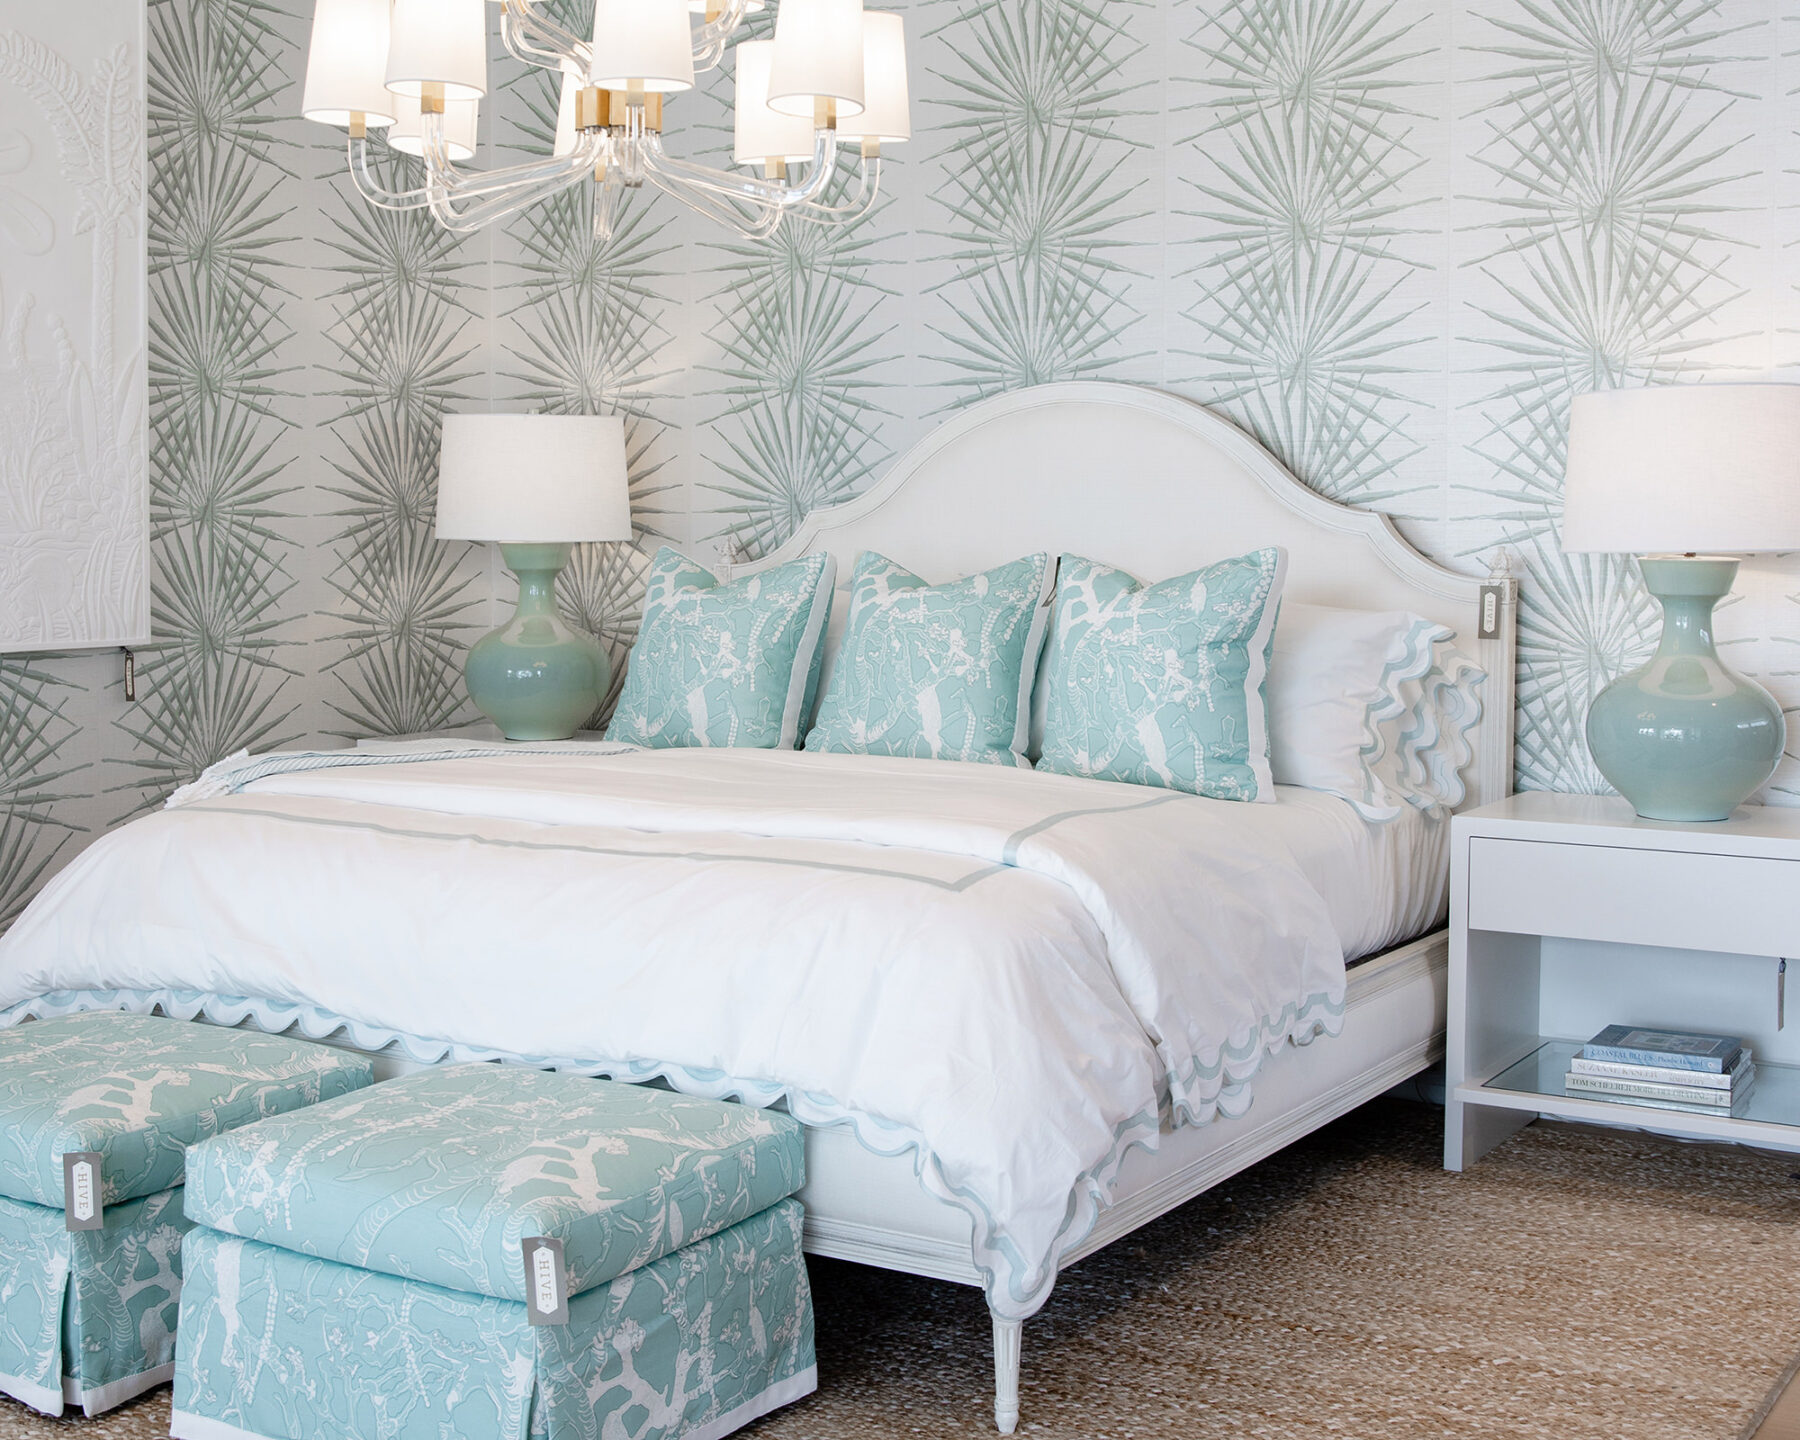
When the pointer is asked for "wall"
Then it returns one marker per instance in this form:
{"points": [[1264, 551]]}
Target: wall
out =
{"points": [[1392, 238]]}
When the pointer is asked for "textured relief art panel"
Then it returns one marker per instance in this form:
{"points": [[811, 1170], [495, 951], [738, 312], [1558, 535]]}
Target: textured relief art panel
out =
{"points": [[74, 523]]}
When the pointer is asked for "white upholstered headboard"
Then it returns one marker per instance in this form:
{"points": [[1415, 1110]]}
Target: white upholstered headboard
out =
{"points": [[1158, 485]]}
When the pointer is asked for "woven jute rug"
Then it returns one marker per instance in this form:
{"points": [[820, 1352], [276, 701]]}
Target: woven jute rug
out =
{"points": [[1577, 1283]]}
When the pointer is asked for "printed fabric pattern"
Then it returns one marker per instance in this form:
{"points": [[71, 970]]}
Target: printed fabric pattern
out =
{"points": [[439, 1176], [1163, 684], [140, 1089], [98, 1306], [717, 1331], [724, 665], [936, 672]]}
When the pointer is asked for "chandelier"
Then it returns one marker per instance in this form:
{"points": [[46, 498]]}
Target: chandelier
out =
{"points": [[830, 85]]}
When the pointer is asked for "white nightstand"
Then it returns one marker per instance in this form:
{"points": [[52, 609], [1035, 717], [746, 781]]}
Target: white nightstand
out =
{"points": [[1569, 913]]}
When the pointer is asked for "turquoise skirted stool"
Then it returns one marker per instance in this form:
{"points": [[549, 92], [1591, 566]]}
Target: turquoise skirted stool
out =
{"points": [[96, 1114], [486, 1250]]}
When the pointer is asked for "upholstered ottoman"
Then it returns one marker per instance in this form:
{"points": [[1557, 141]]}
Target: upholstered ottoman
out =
{"points": [[496, 1252], [96, 1114]]}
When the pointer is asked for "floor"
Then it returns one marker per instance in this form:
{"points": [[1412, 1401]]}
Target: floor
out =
{"points": [[1578, 1283]]}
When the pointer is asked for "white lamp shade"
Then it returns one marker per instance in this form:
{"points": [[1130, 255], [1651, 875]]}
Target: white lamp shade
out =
{"points": [[1672, 469], [565, 115], [818, 56], [887, 108], [461, 118], [440, 42], [763, 134], [533, 479], [645, 43], [346, 64]]}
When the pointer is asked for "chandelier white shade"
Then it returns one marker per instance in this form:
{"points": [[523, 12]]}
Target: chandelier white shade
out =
{"points": [[826, 76], [642, 45], [887, 105], [1673, 469], [441, 43], [819, 57], [346, 64], [533, 479], [460, 121], [762, 135]]}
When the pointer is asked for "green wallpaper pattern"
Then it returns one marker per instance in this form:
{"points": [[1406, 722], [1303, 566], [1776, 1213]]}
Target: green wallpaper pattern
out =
{"points": [[1390, 237]]}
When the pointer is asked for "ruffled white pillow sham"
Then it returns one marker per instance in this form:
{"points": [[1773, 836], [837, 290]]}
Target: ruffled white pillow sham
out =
{"points": [[1373, 705]]}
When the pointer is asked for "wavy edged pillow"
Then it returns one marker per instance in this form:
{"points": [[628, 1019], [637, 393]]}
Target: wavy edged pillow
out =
{"points": [[1163, 684], [1374, 706], [724, 665], [936, 672]]}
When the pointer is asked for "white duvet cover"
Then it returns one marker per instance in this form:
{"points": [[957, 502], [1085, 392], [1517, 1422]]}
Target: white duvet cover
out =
{"points": [[1014, 974]]}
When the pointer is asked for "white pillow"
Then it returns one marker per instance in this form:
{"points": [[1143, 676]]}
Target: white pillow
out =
{"points": [[1372, 705]]}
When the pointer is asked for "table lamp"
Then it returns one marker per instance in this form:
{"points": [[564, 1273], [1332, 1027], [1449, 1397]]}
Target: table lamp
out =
{"points": [[539, 485], [1685, 476]]}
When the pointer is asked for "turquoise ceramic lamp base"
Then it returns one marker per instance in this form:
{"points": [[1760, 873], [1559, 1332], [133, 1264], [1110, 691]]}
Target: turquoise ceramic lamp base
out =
{"points": [[1685, 737], [537, 677]]}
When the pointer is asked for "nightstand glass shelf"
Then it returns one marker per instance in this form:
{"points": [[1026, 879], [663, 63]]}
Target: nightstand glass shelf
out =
{"points": [[1773, 1100]]}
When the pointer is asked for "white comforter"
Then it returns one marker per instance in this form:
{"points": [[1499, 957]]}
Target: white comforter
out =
{"points": [[1012, 972]]}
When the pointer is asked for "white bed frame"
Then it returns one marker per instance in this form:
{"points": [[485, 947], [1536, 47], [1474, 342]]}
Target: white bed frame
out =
{"points": [[1158, 485]]}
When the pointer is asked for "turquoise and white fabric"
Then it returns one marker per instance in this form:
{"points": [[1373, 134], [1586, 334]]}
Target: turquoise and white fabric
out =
{"points": [[1163, 684], [936, 672], [725, 665], [358, 1270], [279, 1346], [88, 1318], [438, 1176], [140, 1089]]}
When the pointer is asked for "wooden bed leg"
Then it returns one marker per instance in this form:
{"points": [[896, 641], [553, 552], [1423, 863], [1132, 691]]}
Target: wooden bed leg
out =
{"points": [[1006, 1373]]}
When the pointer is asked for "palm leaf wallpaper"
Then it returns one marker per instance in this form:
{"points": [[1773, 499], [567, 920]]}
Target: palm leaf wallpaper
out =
{"points": [[1391, 238]]}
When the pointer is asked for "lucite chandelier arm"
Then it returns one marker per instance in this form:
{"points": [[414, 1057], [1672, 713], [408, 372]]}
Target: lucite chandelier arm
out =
{"points": [[751, 224], [369, 186], [465, 217], [868, 189], [443, 178], [711, 38], [745, 189], [466, 201], [530, 37]]}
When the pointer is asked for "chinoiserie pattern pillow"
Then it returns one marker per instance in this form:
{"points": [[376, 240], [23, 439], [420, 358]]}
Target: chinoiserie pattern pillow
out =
{"points": [[1163, 684], [724, 664], [936, 672]]}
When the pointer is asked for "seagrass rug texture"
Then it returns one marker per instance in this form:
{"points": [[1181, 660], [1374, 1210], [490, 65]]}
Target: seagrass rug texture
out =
{"points": [[1578, 1283]]}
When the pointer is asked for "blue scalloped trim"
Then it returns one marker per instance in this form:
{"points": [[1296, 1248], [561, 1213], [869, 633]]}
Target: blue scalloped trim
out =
{"points": [[1434, 699], [1015, 1287]]}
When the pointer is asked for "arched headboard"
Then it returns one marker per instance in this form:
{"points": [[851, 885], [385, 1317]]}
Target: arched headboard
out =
{"points": [[1158, 485]]}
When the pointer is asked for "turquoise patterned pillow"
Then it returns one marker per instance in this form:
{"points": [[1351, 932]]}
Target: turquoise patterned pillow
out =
{"points": [[724, 664], [936, 672], [1163, 684]]}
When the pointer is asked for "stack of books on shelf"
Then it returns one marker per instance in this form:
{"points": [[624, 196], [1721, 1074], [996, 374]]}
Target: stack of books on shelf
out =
{"points": [[1668, 1069]]}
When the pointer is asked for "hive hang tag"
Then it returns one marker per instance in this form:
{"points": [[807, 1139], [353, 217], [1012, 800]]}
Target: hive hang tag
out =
{"points": [[546, 1282], [82, 1208]]}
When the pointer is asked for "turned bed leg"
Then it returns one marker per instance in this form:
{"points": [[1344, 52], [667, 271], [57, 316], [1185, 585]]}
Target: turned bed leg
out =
{"points": [[1006, 1373]]}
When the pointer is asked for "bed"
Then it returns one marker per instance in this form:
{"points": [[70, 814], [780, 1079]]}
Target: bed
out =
{"points": [[962, 979]]}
